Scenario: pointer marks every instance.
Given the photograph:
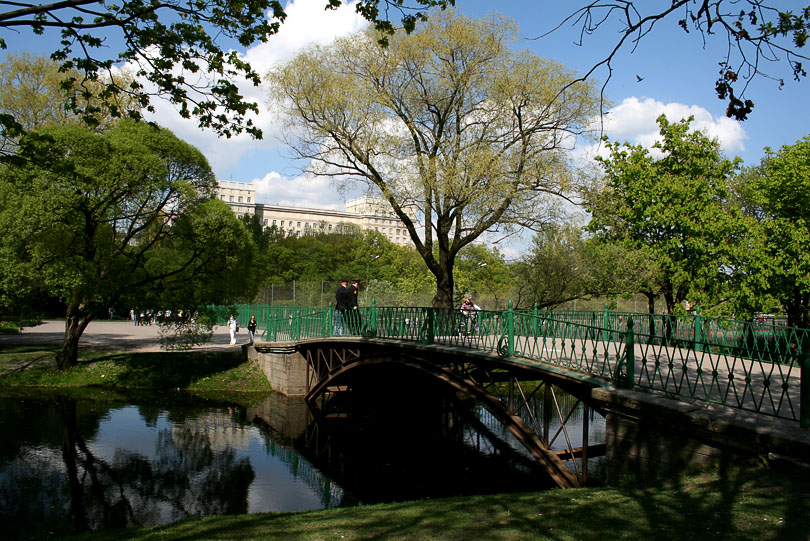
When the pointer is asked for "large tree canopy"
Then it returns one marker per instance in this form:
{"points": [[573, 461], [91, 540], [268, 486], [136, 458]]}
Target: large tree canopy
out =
{"points": [[756, 33], [671, 208], [774, 259], [35, 92], [458, 132], [180, 48], [125, 216]]}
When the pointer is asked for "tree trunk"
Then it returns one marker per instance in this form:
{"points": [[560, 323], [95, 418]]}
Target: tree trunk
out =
{"points": [[76, 321], [651, 311], [797, 310], [444, 290]]}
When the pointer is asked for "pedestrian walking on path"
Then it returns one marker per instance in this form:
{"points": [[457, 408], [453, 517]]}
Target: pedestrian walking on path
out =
{"points": [[252, 329], [233, 326]]}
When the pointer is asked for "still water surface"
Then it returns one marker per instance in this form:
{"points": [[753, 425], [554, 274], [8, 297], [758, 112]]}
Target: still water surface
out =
{"points": [[71, 463]]}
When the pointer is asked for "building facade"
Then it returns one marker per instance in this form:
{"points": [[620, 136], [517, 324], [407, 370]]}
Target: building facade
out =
{"points": [[363, 213]]}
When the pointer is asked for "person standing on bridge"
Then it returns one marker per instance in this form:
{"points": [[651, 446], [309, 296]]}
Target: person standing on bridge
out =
{"points": [[354, 312], [343, 303]]}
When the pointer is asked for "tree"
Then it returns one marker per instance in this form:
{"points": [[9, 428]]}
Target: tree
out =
{"points": [[671, 208], [756, 31], [176, 46], [36, 94], [774, 258], [564, 265], [459, 133], [482, 274], [127, 215], [554, 271]]}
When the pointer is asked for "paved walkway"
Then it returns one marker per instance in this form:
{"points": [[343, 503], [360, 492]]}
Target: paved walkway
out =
{"points": [[106, 335]]}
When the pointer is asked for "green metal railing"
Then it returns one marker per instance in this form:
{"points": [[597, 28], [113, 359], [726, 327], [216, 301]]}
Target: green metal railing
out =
{"points": [[746, 365]]}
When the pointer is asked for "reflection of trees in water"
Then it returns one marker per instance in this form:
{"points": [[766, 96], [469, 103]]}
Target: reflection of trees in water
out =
{"points": [[186, 478]]}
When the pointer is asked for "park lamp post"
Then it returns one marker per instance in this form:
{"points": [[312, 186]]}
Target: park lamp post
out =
{"points": [[476, 266], [375, 258]]}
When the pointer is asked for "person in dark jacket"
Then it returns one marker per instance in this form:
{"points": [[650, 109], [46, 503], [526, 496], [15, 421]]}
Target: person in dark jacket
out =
{"points": [[252, 329], [343, 304], [354, 318]]}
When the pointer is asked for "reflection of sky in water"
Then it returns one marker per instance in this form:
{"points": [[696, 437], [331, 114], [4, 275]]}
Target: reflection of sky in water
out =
{"points": [[274, 488]]}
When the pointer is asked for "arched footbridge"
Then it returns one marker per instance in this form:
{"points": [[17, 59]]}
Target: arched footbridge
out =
{"points": [[505, 359]]}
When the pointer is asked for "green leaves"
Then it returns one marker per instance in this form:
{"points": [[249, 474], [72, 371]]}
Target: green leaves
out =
{"points": [[126, 216], [670, 207], [170, 39], [458, 132], [776, 196]]}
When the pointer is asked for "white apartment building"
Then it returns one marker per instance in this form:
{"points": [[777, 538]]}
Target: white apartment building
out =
{"points": [[364, 213], [241, 196]]}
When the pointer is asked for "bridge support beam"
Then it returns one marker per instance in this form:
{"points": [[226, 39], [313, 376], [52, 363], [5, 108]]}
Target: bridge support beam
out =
{"points": [[651, 436], [283, 366]]}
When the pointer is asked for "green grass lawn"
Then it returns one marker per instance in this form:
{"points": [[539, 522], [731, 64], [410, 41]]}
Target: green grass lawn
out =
{"points": [[223, 373], [744, 502]]}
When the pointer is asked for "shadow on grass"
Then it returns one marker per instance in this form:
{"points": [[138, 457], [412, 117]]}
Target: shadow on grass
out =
{"points": [[165, 370], [28, 348], [735, 503], [740, 502]]}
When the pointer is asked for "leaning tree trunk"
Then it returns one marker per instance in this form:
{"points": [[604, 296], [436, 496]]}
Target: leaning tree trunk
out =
{"points": [[76, 322]]}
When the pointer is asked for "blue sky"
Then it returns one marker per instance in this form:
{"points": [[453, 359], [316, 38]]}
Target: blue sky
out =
{"points": [[677, 72]]}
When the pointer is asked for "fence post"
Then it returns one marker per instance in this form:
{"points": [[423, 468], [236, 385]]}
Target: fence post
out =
{"points": [[630, 355], [373, 317], [510, 330], [535, 319], [430, 325], [330, 320], [698, 330], [804, 398]]}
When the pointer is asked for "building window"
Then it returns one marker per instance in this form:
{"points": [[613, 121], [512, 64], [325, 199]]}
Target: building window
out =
{"points": [[240, 198], [274, 222], [290, 224], [299, 224], [222, 197], [248, 200], [265, 221], [231, 198]]}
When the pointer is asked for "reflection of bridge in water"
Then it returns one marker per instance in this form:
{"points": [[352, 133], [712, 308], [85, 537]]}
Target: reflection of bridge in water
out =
{"points": [[506, 359]]}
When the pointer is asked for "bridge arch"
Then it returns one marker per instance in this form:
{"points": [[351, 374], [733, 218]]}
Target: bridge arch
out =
{"points": [[330, 362]]}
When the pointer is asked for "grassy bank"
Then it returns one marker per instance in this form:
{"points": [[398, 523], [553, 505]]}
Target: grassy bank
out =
{"points": [[203, 372], [741, 502]]}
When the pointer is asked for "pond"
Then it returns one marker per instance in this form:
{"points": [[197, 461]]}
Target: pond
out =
{"points": [[70, 463]]}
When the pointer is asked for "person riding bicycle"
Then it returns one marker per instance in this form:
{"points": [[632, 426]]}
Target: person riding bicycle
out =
{"points": [[469, 323]]}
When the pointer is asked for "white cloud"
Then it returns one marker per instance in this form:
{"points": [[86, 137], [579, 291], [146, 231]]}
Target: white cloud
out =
{"points": [[302, 191], [307, 23], [633, 120]]}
